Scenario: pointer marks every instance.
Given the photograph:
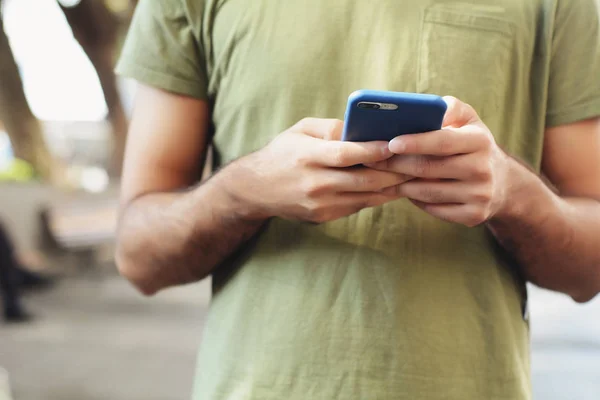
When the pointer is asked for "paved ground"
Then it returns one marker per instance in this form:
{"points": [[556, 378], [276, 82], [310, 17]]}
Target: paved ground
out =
{"points": [[566, 348], [96, 339]]}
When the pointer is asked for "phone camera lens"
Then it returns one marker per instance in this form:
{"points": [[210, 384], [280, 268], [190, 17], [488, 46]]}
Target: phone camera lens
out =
{"points": [[372, 106]]}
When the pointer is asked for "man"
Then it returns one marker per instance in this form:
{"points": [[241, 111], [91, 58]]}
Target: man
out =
{"points": [[13, 279], [9, 286], [328, 282]]}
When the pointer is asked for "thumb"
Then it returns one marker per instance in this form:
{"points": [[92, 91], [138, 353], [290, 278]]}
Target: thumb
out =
{"points": [[319, 128]]}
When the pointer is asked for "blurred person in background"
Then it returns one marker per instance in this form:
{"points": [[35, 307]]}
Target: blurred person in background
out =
{"points": [[14, 278], [9, 283], [325, 286]]}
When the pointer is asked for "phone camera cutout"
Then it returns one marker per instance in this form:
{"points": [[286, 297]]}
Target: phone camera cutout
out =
{"points": [[367, 105], [377, 106]]}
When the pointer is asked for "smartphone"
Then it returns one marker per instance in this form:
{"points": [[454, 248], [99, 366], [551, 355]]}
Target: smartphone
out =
{"points": [[382, 115]]}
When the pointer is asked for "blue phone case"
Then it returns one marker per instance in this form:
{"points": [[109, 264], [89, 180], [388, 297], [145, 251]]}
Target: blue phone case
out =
{"points": [[415, 113]]}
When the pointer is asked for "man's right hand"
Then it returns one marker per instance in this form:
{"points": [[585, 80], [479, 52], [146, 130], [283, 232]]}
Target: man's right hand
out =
{"points": [[306, 173]]}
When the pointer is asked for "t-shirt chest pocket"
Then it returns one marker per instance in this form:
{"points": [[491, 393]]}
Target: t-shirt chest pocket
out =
{"points": [[465, 51]]}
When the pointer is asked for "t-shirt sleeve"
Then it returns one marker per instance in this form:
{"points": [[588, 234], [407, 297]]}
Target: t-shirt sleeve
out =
{"points": [[574, 87], [161, 50]]}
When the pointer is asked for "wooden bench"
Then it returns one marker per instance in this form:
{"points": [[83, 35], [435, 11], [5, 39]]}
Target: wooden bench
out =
{"points": [[81, 228]]}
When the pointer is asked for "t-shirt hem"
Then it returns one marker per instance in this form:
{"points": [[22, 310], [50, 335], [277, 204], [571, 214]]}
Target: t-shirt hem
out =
{"points": [[161, 80], [582, 112]]}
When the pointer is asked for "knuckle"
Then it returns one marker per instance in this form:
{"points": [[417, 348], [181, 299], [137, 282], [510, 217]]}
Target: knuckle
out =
{"points": [[446, 145], [315, 212], [324, 216], [484, 195], [476, 217], [339, 155], [397, 191], [402, 178], [334, 130], [468, 112], [362, 205], [470, 223], [393, 164], [487, 141], [423, 166], [432, 195], [385, 165], [363, 180], [312, 207], [383, 198], [469, 109], [313, 187], [372, 202], [302, 160], [300, 126], [392, 191], [482, 171], [303, 123], [282, 137]]}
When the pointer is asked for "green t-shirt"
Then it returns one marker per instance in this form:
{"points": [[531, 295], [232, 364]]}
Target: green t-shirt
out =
{"points": [[389, 303]]}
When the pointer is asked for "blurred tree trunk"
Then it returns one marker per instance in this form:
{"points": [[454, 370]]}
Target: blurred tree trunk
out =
{"points": [[96, 29], [23, 128]]}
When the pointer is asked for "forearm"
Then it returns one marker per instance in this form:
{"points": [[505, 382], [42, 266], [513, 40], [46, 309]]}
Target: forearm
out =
{"points": [[168, 239], [555, 239]]}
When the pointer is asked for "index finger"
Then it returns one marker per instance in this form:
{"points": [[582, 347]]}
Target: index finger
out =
{"points": [[335, 153], [347, 154], [458, 113], [445, 142]]}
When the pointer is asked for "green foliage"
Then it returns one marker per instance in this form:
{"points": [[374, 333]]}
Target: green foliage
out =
{"points": [[17, 171]]}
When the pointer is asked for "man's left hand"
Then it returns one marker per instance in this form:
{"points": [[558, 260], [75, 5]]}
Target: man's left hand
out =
{"points": [[461, 175]]}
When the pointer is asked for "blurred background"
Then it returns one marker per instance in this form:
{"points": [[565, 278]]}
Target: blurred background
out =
{"points": [[63, 125]]}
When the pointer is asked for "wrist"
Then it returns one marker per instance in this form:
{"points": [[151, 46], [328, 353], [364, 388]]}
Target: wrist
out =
{"points": [[233, 183], [514, 199], [524, 195]]}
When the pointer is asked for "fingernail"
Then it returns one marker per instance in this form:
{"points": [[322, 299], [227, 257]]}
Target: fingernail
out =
{"points": [[397, 145]]}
